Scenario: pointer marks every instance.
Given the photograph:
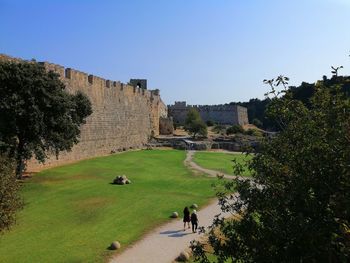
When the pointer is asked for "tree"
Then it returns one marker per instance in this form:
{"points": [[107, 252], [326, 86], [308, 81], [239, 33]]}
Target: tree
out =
{"points": [[297, 208], [257, 123], [194, 123], [10, 201], [256, 108], [335, 70], [37, 115]]}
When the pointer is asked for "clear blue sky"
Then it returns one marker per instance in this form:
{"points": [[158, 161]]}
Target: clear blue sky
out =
{"points": [[201, 51]]}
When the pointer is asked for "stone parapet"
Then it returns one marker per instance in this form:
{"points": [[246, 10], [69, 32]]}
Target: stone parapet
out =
{"points": [[230, 114]]}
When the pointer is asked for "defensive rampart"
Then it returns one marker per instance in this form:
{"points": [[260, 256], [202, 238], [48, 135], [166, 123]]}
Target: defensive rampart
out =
{"points": [[123, 117], [221, 114]]}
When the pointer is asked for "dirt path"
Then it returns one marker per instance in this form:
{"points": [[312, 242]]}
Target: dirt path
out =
{"points": [[212, 173], [166, 242]]}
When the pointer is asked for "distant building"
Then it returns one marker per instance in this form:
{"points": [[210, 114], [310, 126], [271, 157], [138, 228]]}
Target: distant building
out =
{"points": [[229, 114]]}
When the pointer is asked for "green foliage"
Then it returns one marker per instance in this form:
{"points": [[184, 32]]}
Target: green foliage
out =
{"points": [[253, 132], [73, 213], [210, 123], [37, 116], [10, 201], [234, 129], [194, 123], [218, 128], [257, 123], [256, 108], [298, 207]]}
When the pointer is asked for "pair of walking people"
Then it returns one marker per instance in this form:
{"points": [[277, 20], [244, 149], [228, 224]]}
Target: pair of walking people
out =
{"points": [[190, 218]]}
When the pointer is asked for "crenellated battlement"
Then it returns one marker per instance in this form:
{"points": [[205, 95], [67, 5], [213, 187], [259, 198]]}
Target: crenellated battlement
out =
{"points": [[219, 107], [90, 80], [221, 113], [182, 105], [69, 74]]}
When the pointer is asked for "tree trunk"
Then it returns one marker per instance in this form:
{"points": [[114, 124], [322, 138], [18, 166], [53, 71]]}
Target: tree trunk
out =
{"points": [[19, 160], [19, 168]]}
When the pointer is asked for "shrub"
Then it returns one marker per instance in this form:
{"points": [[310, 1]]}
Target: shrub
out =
{"points": [[253, 132], [10, 201], [210, 123], [234, 129], [218, 128], [257, 123]]}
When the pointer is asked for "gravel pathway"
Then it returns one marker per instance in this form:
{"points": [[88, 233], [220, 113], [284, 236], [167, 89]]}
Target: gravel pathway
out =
{"points": [[166, 242], [189, 163]]}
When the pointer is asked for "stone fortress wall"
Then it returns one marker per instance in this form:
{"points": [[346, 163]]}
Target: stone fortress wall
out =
{"points": [[124, 116], [221, 114]]}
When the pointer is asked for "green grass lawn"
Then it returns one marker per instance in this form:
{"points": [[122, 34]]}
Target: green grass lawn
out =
{"points": [[72, 213], [221, 162]]}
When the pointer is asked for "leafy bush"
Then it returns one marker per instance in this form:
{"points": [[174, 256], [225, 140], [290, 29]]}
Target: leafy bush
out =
{"points": [[210, 123], [234, 129], [10, 201], [253, 132], [218, 128], [257, 123]]}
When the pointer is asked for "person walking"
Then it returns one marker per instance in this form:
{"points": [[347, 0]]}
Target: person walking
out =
{"points": [[187, 218], [194, 221]]}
